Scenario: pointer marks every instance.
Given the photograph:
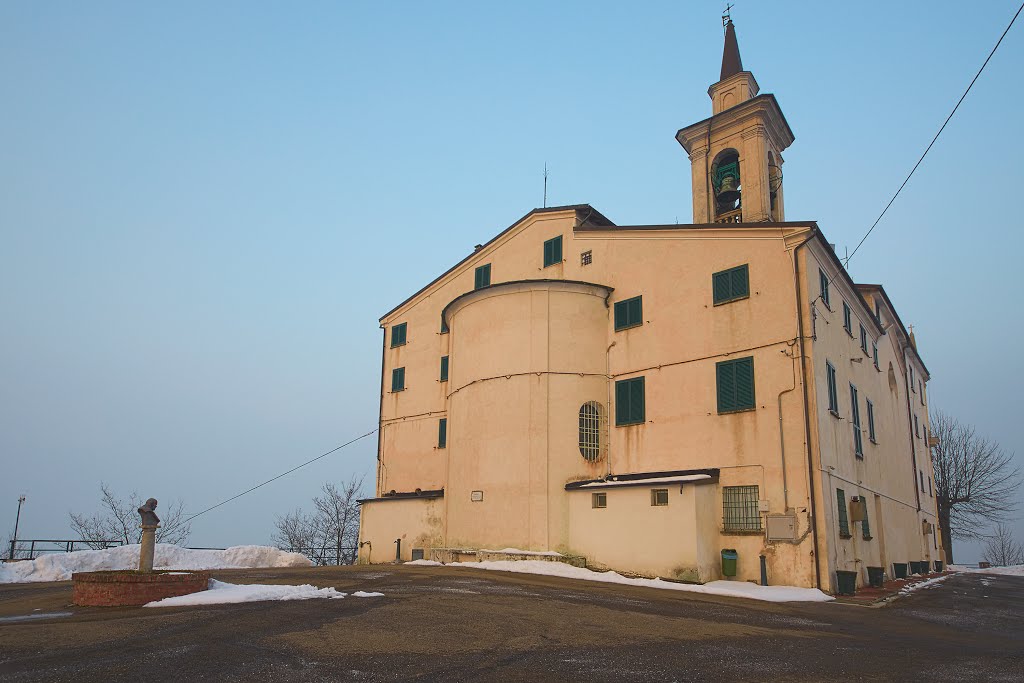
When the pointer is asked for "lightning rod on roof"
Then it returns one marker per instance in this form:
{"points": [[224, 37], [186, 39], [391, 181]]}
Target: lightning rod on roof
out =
{"points": [[545, 184], [726, 18]]}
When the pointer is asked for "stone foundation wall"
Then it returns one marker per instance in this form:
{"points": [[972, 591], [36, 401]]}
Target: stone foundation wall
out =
{"points": [[111, 589]]}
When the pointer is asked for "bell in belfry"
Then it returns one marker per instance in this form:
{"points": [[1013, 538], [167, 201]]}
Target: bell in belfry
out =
{"points": [[728, 192]]}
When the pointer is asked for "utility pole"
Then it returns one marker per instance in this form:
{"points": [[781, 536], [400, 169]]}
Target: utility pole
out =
{"points": [[14, 541]]}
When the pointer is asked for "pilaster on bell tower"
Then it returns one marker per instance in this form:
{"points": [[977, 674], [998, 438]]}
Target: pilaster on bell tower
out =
{"points": [[736, 155]]}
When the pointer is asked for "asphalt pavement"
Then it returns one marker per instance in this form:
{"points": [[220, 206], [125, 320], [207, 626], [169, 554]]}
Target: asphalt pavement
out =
{"points": [[445, 623]]}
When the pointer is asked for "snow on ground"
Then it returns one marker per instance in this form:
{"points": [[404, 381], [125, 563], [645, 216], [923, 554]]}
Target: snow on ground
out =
{"points": [[60, 566], [735, 589], [911, 587], [1013, 570], [223, 593]]}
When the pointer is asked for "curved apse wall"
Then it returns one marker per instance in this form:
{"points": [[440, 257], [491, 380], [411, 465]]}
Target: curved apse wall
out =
{"points": [[524, 357]]}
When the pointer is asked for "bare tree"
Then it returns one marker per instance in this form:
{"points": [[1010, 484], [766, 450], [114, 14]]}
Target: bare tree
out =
{"points": [[975, 481], [118, 520], [331, 534], [1002, 550]]}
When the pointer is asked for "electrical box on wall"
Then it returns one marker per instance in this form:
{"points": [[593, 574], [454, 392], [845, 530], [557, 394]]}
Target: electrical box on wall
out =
{"points": [[858, 509], [781, 527]]}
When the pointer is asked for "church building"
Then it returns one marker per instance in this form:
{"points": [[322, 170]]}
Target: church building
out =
{"points": [[644, 397]]}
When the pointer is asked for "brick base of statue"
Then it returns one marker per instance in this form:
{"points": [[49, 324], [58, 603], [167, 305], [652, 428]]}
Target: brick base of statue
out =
{"points": [[124, 588]]}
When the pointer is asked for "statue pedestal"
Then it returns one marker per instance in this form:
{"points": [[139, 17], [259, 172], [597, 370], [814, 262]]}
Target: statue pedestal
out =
{"points": [[148, 548]]}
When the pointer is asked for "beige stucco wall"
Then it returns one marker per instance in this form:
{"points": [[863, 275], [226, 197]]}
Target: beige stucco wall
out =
{"points": [[419, 522], [675, 541], [886, 475]]}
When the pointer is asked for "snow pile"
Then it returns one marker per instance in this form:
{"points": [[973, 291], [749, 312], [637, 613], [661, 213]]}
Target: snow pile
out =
{"points": [[734, 589], [222, 593], [1013, 570], [60, 566]]}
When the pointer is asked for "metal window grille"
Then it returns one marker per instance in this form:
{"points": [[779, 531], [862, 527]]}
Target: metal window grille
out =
{"points": [[591, 429], [740, 508], [586, 258]]}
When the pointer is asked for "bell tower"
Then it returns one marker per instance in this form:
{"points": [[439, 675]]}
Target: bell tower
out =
{"points": [[736, 155]]}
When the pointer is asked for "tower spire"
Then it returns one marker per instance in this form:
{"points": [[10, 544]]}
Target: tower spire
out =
{"points": [[731, 62]]}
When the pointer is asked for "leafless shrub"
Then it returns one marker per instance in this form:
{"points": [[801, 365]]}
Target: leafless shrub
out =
{"points": [[975, 481], [1002, 550], [330, 535], [118, 520]]}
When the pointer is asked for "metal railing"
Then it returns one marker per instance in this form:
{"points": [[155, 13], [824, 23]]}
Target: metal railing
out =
{"points": [[327, 556], [39, 546]]}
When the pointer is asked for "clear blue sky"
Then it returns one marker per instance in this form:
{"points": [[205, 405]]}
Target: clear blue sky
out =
{"points": [[205, 207]]}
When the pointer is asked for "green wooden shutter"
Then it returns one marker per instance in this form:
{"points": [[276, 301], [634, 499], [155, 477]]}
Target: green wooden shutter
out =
{"points": [[823, 278], [637, 411], [621, 315], [444, 368], [621, 403], [636, 311], [398, 379], [726, 378], [442, 432], [744, 383], [740, 282], [482, 276], [865, 526], [844, 520], [557, 250], [553, 251], [721, 285]]}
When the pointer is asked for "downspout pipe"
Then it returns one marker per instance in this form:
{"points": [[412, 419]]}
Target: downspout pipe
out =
{"points": [[807, 413], [380, 411], [910, 429]]}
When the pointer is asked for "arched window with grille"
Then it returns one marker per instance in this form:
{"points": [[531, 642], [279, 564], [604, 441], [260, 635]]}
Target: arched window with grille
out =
{"points": [[591, 430]]}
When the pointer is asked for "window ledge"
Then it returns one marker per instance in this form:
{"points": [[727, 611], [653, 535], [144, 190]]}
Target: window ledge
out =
{"points": [[729, 301], [859, 456], [835, 414], [742, 532], [395, 346], [738, 410], [868, 538], [873, 441], [630, 424], [629, 327], [847, 536]]}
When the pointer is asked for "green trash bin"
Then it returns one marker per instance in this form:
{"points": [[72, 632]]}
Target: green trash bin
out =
{"points": [[899, 569], [938, 565], [876, 576], [728, 562], [846, 582]]}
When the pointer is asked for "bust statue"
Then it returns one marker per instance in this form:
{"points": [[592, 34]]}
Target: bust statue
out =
{"points": [[149, 517]]}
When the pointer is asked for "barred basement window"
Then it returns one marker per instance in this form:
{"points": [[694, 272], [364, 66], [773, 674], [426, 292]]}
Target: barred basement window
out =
{"points": [[591, 428], [599, 500], [740, 508], [659, 498]]}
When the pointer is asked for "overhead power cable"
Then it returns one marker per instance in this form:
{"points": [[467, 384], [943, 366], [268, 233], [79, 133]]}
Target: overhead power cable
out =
{"points": [[283, 474], [927, 149]]}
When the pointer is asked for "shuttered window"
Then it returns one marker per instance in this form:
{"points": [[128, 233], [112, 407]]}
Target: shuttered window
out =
{"points": [[863, 340], [629, 402], [442, 432], [629, 313], [444, 368], [553, 251], [874, 354], [735, 379], [844, 519], [858, 438], [823, 279], [483, 276], [398, 335], [871, 421], [398, 379], [865, 526], [847, 318], [444, 325], [730, 285], [833, 394]]}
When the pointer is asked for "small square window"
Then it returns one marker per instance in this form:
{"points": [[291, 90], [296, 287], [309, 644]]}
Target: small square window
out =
{"points": [[553, 251], [398, 335], [599, 500], [586, 258], [482, 276], [629, 313], [659, 497], [398, 379]]}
